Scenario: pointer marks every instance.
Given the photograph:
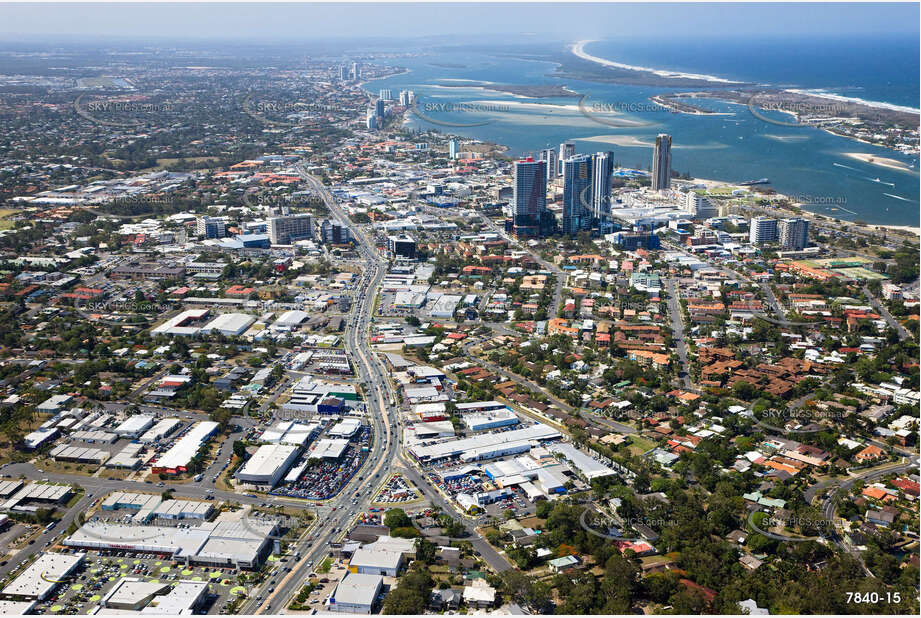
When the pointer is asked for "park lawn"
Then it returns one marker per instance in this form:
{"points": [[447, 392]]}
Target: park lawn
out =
{"points": [[640, 445], [5, 222]]}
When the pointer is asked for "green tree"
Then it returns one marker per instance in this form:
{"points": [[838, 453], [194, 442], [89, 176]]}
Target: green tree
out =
{"points": [[397, 518]]}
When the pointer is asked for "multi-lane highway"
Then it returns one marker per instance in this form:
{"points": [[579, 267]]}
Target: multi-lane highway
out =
{"points": [[335, 515]]}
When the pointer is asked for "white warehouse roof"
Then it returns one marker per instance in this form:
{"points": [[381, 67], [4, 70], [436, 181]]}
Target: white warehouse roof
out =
{"points": [[229, 324]]}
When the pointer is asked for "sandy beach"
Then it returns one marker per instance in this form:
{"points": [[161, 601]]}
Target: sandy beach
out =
{"points": [[877, 160], [578, 49], [843, 99]]}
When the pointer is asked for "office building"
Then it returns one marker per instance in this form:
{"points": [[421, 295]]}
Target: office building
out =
{"points": [[577, 187], [452, 149], [371, 120], [700, 206], [567, 150], [548, 156], [529, 196], [793, 233], [334, 233], [662, 163], [210, 227], [285, 230], [343, 73], [402, 246], [379, 108], [762, 230], [385, 94], [602, 166]]}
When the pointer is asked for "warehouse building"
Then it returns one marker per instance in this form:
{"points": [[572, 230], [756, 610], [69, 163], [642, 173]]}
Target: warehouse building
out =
{"points": [[16, 608], [39, 437], [159, 431], [445, 305], [290, 432], [588, 467], [356, 594], [143, 504], [182, 324], [229, 324], [40, 578], [345, 428], [183, 509], [133, 426], [128, 458], [37, 495], [79, 454], [431, 412], [268, 464], [223, 542], [133, 594], [181, 453], [329, 448], [384, 557], [487, 446], [290, 319]]}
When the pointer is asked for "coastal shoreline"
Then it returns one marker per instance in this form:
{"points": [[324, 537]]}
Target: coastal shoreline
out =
{"points": [[578, 49]]}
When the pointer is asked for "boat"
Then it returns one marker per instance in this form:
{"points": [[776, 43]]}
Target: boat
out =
{"points": [[748, 183]]}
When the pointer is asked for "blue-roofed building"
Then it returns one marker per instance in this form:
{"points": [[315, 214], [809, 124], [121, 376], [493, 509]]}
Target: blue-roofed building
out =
{"points": [[254, 241]]}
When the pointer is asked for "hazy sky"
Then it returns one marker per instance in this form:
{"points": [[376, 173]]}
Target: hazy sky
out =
{"points": [[266, 21]]}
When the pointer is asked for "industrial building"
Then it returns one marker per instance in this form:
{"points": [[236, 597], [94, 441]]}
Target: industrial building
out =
{"points": [[291, 319], [159, 431], [133, 426], [588, 467], [33, 496], [268, 464], [487, 446], [445, 305], [40, 436], [290, 432], [128, 458], [181, 453], [229, 324], [182, 324], [79, 454]]}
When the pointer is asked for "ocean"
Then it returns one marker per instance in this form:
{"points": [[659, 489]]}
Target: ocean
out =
{"points": [[806, 163]]}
